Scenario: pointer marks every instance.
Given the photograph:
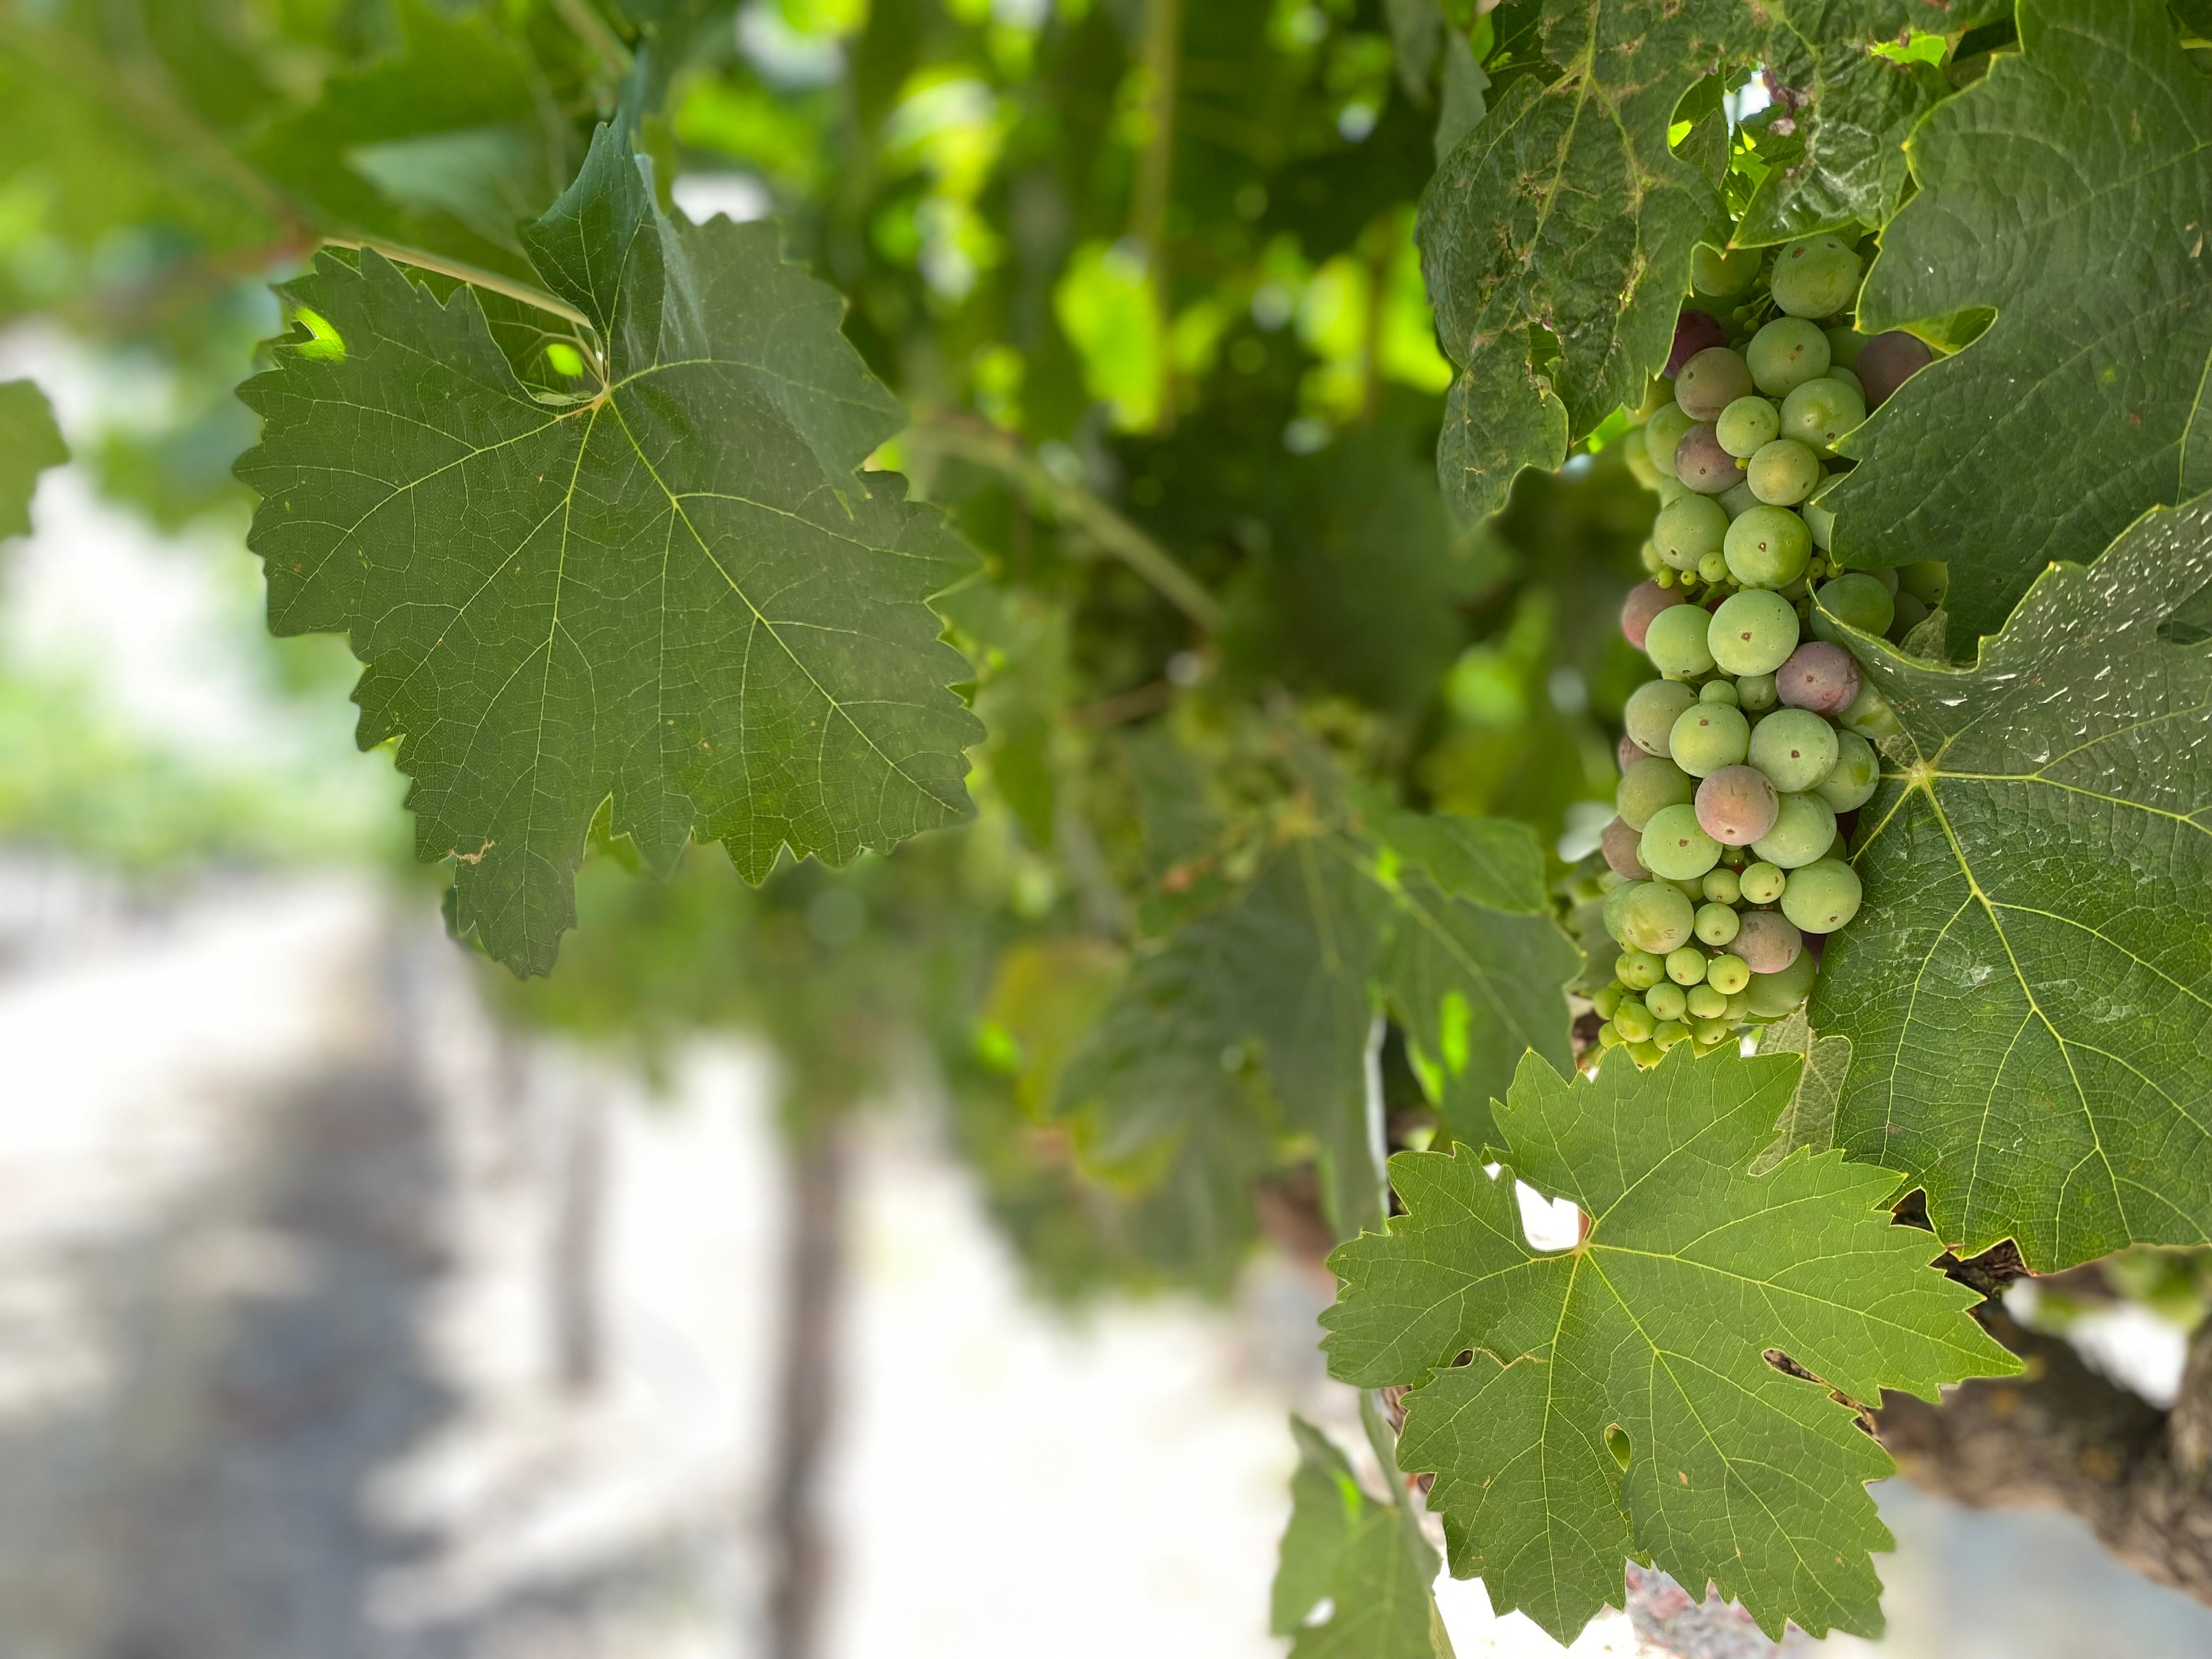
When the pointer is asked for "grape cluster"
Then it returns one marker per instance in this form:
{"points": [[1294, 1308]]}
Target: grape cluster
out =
{"points": [[1739, 762]]}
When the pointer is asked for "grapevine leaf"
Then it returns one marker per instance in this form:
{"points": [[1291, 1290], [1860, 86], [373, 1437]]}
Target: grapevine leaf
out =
{"points": [[671, 589], [2082, 404], [1556, 239], [30, 443], [1809, 1120], [1356, 1554], [2028, 989], [1615, 1399]]}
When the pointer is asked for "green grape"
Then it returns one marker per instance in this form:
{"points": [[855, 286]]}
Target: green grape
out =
{"points": [[1767, 547], [1653, 709], [1821, 897], [1639, 970], [1711, 381], [1821, 522], [1692, 889], [1639, 464], [1929, 581], [1747, 426], [1712, 1035], [1911, 613], [1662, 432], [1762, 883], [1843, 344], [1795, 747], [1722, 273], [1804, 830], [1819, 412], [1856, 599], [1756, 693], [1666, 1001], [1645, 1054], [1675, 641], [1785, 354], [1713, 567], [1688, 529], [1669, 489], [1838, 372], [1607, 998], [1633, 1021], [1814, 276], [1616, 901], [1722, 886], [1753, 632], [1686, 966], [1658, 918], [1705, 1002], [1675, 845], [1870, 715], [1852, 782], [1609, 1036], [1783, 473], [1773, 995], [1736, 501], [1729, 975], [1668, 1033], [1707, 737], [1649, 785], [1716, 924], [1718, 690]]}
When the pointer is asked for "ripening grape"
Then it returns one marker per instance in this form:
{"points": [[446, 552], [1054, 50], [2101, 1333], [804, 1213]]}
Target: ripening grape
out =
{"points": [[1814, 276], [1870, 715], [1717, 690], [1674, 846], [1821, 897], [1656, 918], [1856, 599], [1728, 974], [1887, 360], [1772, 996], [1716, 923], [1702, 465], [1666, 1001], [1711, 381], [1768, 943], [1785, 354], [1650, 784], [1618, 842], [1767, 547], [1653, 709], [1722, 273], [1646, 600], [1819, 412], [1755, 693], [1820, 678], [1852, 782], [1686, 966], [1737, 805], [1626, 754], [1783, 473], [1708, 736], [1614, 901], [1662, 433], [1695, 332], [1804, 830], [1687, 529], [1753, 632], [1748, 425], [1722, 885], [1675, 642]]}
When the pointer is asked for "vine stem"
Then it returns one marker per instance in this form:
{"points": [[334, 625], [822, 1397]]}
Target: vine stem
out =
{"points": [[1074, 504], [461, 271]]}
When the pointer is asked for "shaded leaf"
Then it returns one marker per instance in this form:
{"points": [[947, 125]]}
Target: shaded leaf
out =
{"points": [[1361, 1557], [1809, 1120], [30, 443]]}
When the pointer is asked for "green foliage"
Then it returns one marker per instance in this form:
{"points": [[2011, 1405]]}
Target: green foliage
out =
{"points": [[2080, 406], [30, 443], [1612, 1400], [2026, 989], [1366, 1559]]}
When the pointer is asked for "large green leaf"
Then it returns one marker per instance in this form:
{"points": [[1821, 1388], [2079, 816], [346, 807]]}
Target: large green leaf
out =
{"points": [[670, 588], [1556, 239], [2028, 990], [1367, 1559], [2067, 190], [30, 443], [1583, 1406]]}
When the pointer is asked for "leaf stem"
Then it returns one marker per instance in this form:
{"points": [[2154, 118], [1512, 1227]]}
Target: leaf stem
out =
{"points": [[591, 29], [460, 270], [1072, 503]]}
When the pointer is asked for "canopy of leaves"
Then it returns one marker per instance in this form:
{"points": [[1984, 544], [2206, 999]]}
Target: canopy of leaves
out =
{"points": [[1368, 1560], [1582, 1407], [2067, 191], [2028, 989], [30, 443], [670, 587]]}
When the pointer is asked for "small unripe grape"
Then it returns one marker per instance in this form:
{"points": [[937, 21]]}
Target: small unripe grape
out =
{"points": [[1747, 426], [1706, 737], [1646, 600], [1607, 998], [1794, 748], [1736, 804], [1686, 966], [1718, 690], [1785, 354], [1814, 276], [1695, 332], [1855, 599], [1773, 995], [1658, 919], [1762, 883], [1767, 943], [1804, 830], [1722, 273], [1821, 897], [1711, 381], [1783, 473], [1609, 1036], [1619, 842], [1705, 1002], [1649, 785], [1820, 678], [1728, 974], [1688, 529], [1755, 693], [1819, 412], [1666, 1002], [1653, 709], [1675, 641], [1713, 567], [1639, 970], [1662, 432], [1722, 886], [1853, 779], [1767, 547], [1887, 362], [1716, 924], [1702, 465], [1674, 846], [1753, 632], [1633, 1021]]}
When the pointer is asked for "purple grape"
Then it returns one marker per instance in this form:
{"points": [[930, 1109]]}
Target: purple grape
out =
{"points": [[1628, 754], [1646, 600], [1887, 362], [1711, 381], [1694, 332], [1767, 943], [1702, 465], [1736, 805], [1819, 675], [1619, 843]]}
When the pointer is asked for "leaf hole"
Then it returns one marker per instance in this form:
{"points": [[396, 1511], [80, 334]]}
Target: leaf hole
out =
{"points": [[1616, 1442], [1548, 1224]]}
